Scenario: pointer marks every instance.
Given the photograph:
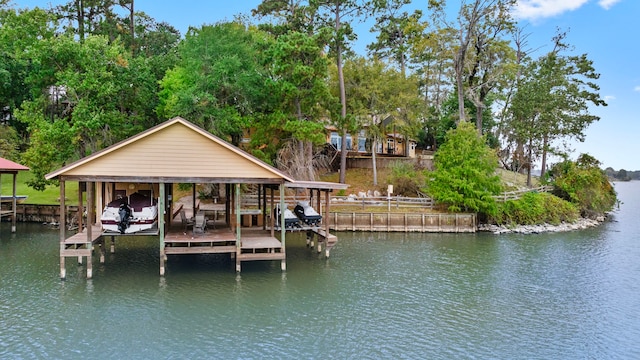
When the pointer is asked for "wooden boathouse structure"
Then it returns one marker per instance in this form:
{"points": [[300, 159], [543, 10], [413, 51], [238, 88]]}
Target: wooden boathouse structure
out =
{"points": [[10, 167], [177, 151]]}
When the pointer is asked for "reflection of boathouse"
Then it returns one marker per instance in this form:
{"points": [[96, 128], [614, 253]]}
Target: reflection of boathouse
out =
{"points": [[177, 151]]}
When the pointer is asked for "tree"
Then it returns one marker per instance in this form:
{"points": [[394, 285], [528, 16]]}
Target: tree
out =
{"points": [[552, 100], [299, 72], [464, 177], [22, 33], [298, 68], [480, 25], [335, 15], [219, 82], [380, 97], [85, 102], [395, 31]]}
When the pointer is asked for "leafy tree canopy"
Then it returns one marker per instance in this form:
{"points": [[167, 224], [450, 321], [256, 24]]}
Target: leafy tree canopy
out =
{"points": [[218, 83], [464, 177]]}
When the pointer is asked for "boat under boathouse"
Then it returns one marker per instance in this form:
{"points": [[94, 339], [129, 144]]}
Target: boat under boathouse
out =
{"points": [[173, 152]]}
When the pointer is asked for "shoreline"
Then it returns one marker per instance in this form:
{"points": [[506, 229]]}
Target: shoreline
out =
{"points": [[580, 224]]}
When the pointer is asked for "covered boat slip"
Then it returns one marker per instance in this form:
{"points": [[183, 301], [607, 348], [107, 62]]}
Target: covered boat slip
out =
{"points": [[12, 168], [173, 152]]}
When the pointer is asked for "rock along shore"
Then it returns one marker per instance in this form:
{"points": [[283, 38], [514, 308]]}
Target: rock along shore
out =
{"points": [[582, 223]]}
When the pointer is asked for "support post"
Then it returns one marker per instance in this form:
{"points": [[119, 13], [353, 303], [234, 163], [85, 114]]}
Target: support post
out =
{"points": [[283, 262], [326, 224], [161, 218], [101, 246], [80, 207], [238, 223], [273, 215], [264, 207], [14, 204], [90, 206], [63, 226]]}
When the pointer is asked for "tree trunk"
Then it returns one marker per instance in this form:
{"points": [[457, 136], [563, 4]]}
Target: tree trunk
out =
{"points": [[132, 29], [343, 102], [545, 142], [479, 110], [460, 86], [529, 163], [80, 14], [374, 164]]}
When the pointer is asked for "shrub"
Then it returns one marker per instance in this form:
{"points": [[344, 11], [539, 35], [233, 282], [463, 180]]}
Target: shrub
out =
{"points": [[464, 177], [584, 184], [406, 178], [535, 208]]}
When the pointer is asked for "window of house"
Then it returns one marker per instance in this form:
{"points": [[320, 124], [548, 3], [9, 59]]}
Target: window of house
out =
{"points": [[336, 140], [362, 142]]}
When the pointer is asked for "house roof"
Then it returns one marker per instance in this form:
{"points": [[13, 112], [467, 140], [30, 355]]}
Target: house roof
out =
{"points": [[10, 166], [174, 151]]}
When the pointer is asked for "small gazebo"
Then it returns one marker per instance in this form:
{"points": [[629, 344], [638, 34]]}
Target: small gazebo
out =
{"points": [[10, 167]]}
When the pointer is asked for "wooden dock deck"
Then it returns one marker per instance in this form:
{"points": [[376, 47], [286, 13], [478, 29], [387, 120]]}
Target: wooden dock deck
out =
{"points": [[80, 246], [214, 241]]}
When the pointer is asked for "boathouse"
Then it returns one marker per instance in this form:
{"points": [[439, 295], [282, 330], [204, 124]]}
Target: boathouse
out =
{"points": [[10, 167], [177, 151]]}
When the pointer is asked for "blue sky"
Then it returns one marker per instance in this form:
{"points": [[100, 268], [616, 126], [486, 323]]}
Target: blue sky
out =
{"points": [[603, 29]]}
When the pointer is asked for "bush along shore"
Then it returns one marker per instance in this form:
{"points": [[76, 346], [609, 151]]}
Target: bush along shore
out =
{"points": [[580, 224]]}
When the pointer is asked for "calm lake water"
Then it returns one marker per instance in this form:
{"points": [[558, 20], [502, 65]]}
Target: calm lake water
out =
{"points": [[429, 296]]}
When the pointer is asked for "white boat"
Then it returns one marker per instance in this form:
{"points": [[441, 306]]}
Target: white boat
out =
{"points": [[131, 214]]}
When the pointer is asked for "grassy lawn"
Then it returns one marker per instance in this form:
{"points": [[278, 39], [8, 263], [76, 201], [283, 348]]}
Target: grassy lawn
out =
{"points": [[49, 196]]}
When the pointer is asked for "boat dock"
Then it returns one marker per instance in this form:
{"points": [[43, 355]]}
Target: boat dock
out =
{"points": [[178, 152]]}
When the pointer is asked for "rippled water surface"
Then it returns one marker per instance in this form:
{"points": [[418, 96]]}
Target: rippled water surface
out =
{"points": [[438, 296]]}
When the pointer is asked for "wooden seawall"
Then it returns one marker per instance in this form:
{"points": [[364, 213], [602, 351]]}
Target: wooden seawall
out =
{"points": [[339, 221], [403, 222]]}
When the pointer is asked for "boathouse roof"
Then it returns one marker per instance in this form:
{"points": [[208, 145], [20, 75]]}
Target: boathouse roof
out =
{"points": [[174, 151], [8, 166]]}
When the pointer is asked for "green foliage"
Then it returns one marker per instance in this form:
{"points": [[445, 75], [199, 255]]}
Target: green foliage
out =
{"points": [[535, 208], [464, 177], [407, 180], [87, 96], [583, 183], [219, 82], [9, 143]]}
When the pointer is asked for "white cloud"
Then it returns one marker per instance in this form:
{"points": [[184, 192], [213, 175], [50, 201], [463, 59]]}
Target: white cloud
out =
{"points": [[608, 98], [607, 4], [637, 88], [537, 9]]}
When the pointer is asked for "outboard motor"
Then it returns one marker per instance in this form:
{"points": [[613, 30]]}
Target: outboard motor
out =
{"points": [[125, 216]]}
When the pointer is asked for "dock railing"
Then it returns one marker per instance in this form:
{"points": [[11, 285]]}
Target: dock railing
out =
{"points": [[250, 200]]}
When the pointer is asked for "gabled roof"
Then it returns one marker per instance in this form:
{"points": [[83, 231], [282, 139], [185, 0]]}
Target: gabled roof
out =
{"points": [[173, 151], [10, 166]]}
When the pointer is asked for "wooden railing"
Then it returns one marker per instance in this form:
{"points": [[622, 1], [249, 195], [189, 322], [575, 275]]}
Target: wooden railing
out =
{"points": [[515, 195], [379, 201], [395, 202]]}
